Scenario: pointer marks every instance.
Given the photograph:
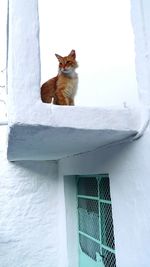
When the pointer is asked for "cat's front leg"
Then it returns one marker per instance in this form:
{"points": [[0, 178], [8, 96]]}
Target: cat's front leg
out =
{"points": [[60, 99], [71, 102]]}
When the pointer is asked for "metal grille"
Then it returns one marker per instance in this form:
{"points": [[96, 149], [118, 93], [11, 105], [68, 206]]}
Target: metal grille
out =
{"points": [[88, 216], [108, 258], [96, 233], [107, 231], [89, 246], [88, 186], [104, 188]]}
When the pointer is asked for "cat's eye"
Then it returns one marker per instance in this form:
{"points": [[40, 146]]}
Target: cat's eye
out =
{"points": [[69, 62]]}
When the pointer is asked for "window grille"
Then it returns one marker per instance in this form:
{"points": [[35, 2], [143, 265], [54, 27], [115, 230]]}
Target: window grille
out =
{"points": [[95, 222]]}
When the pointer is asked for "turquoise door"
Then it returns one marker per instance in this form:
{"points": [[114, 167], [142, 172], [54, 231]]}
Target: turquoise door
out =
{"points": [[95, 224]]}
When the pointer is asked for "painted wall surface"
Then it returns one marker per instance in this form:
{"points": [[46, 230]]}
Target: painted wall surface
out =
{"points": [[28, 212], [129, 171], [23, 59], [71, 220], [37, 207], [37, 210], [141, 25]]}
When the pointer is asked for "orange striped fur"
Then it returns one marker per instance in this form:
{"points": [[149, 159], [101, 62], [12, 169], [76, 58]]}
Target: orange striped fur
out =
{"points": [[62, 89]]}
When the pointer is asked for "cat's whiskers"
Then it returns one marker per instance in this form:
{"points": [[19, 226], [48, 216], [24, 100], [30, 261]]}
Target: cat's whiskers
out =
{"points": [[66, 70], [69, 73]]}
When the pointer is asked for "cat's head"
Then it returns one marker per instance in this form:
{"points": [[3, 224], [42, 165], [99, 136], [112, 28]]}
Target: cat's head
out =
{"points": [[68, 63]]}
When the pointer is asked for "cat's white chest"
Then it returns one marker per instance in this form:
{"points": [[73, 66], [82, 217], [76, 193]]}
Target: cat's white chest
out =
{"points": [[71, 87]]}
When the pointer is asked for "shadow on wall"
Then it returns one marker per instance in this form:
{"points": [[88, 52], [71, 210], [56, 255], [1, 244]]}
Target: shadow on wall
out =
{"points": [[41, 168], [103, 159]]}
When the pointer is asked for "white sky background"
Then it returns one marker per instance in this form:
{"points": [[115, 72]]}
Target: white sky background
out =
{"points": [[101, 33]]}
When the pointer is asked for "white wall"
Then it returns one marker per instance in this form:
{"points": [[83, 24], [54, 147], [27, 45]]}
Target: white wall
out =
{"points": [[29, 203], [71, 220], [3, 45], [37, 209], [141, 25], [33, 221], [129, 171]]}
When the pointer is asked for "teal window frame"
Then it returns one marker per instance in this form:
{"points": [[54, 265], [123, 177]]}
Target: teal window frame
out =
{"points": [[104, 219]]}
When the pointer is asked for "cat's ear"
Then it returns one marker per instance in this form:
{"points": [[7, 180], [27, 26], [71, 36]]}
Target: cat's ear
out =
{"points": [[58, 57], [72, 54]]}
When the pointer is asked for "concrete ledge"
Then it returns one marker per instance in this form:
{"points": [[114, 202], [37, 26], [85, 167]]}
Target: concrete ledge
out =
{"points": [[67, 131]]}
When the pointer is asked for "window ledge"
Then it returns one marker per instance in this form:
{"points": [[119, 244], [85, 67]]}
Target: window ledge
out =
{"points": [[56, 132]]}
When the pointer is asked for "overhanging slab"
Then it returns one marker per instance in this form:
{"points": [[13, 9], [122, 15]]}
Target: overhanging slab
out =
{"points": [[69, 131]]}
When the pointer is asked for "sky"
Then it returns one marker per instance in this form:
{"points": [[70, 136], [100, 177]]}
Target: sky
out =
{"points": [[101, 33]]}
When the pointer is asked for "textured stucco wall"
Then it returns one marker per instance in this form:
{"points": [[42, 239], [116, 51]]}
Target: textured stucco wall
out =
{"points": [[71, 220], [28, 212], [141, 25], [33, 201], [33, 221], [23, 59], [129, 171]]}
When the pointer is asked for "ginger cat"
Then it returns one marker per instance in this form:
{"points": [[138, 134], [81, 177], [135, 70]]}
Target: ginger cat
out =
{"points": [[61, 89]]}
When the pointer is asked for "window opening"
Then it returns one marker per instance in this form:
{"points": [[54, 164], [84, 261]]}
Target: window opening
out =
{"points": [[106, 60], [95, 222]]}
